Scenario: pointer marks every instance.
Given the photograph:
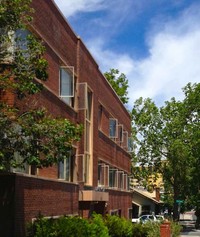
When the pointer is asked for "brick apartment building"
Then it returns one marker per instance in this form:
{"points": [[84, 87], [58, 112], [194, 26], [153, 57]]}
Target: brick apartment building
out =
{"points": [[95, 176]]}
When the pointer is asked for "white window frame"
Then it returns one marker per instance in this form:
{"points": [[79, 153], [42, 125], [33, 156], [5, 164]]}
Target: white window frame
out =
{"points": [[65, 177], [106, 174], [115, 184], [70, 71]]}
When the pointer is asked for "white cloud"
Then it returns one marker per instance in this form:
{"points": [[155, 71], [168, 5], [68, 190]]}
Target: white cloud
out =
{"points": [[173, 46], [173, 60], [71, 7], [108, 59]]}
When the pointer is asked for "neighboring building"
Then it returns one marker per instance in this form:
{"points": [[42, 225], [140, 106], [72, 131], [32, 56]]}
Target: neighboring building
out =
{"points": [[145, 202], [95, 177]]}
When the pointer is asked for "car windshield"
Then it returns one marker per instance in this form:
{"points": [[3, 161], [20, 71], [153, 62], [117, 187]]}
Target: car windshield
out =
{"points": [[143, 218]]}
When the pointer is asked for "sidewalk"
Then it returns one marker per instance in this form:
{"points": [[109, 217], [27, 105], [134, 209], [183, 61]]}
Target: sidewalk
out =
{"points": [[189, 235], [192, 233]]}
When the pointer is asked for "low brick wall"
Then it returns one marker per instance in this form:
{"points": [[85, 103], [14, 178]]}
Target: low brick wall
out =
{"points": [[24, 197]]}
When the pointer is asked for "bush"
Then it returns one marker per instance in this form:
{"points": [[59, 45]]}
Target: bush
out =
{"points": [[138, 230], [175, 229], [97, 226], [112, 226], [118, 227], [152, 229], [61, 227]]}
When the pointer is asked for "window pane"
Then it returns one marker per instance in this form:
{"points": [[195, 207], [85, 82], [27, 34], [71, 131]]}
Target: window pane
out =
{"points": [[113, 126], [86, 168], [99, 173], [130, 144], [89, 106], [61, 170], [112, 177], [67, 169], [66, 83], [22, 35], [87, 142], [100, 112]]}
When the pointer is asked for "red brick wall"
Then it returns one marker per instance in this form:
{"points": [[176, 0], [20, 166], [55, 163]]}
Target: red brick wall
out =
{"points": [[50, 198], [55, 30], [50, 172], [64, 48], [112, 107], [121, 201], [112, 154]]}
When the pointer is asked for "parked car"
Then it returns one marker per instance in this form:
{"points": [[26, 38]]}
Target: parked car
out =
{"points": [[160, 218], [144, 218]]}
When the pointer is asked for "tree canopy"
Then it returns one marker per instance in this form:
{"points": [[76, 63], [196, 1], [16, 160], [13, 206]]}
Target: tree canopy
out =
{"points": [[168, 141], [119, 83], [34, 135]]}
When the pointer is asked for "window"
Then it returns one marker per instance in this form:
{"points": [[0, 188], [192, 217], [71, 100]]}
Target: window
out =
{"points": [[88, 122], [113, 128], [100, 175], [103, 173], [67, 84], [125, 178], [112, 178], [129, 186], [114, 212], [88, 136], [120, 133], [86, 168], [130, 144], [125, 140], [130, 213], [100, 112], [23, 167], [13, 41], [66, 168], [22, 40], [121, 179]]}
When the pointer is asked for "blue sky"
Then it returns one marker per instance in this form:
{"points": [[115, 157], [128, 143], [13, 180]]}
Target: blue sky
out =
{"points": [[155, 43]]}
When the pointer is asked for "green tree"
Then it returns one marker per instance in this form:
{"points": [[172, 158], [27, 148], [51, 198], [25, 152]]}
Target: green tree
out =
{"points": [[167, 140], [119, 83], [32, 135]]}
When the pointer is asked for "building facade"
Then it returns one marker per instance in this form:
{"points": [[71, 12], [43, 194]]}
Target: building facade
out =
{"points": [[95, 177]]}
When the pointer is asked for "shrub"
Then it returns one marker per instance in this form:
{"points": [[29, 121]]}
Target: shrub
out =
{"points": [[152, 229], [61, 227], [118, 227], [112, 226], [98, 227], [138, 230], [175, 229]]}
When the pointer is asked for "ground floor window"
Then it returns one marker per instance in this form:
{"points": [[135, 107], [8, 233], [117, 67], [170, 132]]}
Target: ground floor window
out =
{"points": [[130, 213], [114, 212], [66, 168]]}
